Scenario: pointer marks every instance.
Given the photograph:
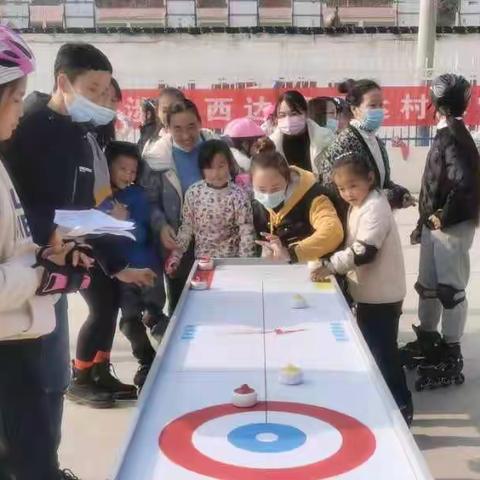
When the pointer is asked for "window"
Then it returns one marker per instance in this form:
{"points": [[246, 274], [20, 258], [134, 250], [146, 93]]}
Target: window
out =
{"points": [[275, 12], [360, 3], [129, 3], [46, 2], [275, 4], [212, 4]]}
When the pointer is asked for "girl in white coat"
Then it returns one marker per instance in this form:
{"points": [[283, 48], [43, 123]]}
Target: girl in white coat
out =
{"points": [[373, 264], [300, 140], [27, 450]]}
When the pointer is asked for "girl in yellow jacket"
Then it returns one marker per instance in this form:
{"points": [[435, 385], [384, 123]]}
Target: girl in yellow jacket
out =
{"points": [[292, 212]]}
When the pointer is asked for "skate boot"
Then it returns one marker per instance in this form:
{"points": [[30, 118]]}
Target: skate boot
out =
{"points": [[84, 391], [102, 376], [442, 367], [412, 354]]}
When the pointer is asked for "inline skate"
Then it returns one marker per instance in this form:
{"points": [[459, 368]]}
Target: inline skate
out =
{"points": [[413, 353], [442, 367]]}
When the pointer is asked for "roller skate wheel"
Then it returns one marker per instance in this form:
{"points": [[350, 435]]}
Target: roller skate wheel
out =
{"points": [[446, 381], [460, 379]]}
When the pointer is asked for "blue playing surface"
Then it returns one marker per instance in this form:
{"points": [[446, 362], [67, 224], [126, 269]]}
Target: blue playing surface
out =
{"points": [[267, 437]]}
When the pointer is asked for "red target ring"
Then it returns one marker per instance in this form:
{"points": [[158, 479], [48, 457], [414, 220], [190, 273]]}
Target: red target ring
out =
{"points": [[358, 445]]}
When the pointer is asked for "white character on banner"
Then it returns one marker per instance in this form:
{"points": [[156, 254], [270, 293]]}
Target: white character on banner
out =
{"points": [[386, 109], [415, 106], [255, 108], [219, 109]]}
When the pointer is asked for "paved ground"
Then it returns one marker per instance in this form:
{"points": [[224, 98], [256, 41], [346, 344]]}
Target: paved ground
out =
{"points": [[446, 424]]}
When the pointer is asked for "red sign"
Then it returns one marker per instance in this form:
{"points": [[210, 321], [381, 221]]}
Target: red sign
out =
{"points": [[403, 105]]}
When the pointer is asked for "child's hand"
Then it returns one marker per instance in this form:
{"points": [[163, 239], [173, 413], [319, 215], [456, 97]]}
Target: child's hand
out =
{"points": [[320, 274], [141, 277], [408, 201], [273, 247], [168, 238], [119, 211], [58, 254], [172, 263], [435, 222]]}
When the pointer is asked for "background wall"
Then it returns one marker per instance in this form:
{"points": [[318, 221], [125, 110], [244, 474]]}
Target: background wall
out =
{"points": [[144, 62]]}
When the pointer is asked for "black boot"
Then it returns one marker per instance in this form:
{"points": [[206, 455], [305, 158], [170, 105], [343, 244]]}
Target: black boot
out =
{"points": [[84, 391], [141, 376], [102, 376]]}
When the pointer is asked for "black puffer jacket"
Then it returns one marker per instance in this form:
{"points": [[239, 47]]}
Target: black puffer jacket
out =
{"points": [[451, 180]]}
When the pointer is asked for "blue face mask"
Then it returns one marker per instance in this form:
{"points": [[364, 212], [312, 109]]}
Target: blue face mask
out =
{"points": [[332, 124], [270, 200], [83, 110], [373, 119]]}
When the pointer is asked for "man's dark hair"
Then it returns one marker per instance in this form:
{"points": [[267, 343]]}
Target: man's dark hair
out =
{"points": [[75, 59]]}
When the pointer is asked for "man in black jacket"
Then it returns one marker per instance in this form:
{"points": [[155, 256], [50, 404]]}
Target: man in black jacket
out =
{"points": [[53, 165]]}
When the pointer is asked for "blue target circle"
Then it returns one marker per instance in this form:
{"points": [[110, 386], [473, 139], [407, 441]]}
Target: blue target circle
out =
{"points": [[267, 437]]}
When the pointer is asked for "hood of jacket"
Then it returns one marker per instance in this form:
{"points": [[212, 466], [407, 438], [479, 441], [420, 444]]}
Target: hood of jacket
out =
{"points": [[158, 153], [320, 139], [35, 102]]}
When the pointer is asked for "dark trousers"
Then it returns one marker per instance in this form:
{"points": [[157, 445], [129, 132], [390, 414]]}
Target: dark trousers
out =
{"points": [[96, 334], [28, 444], [379, 326], [56, 370], [134, 303], [176, 285]]}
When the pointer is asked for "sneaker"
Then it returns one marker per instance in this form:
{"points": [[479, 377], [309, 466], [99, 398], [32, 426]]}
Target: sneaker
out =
{"points": [[84, 391], [67, 474], [141, 375], [104, 377]]}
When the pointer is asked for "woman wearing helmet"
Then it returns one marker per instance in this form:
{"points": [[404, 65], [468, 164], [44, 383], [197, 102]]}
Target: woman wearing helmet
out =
{"points": [[243, 133], [449, 212], [27, 446]]}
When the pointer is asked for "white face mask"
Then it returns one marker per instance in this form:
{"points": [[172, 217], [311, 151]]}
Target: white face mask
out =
{"points": [[84, 110], [270, 200], [182, 149]]}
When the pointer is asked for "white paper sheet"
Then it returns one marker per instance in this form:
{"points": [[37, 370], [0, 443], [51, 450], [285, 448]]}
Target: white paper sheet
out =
{"points": [[78, 223]]}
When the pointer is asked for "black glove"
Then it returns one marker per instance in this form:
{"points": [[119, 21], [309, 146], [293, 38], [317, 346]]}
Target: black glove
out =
{"points": [[62, 278]]}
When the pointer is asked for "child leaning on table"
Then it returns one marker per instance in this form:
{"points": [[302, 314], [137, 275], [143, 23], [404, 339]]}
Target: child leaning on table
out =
{"points": [[217, 213], [373, 263]]}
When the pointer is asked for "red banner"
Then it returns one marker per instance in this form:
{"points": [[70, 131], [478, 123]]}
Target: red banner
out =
{"points": [[404, 106]]}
